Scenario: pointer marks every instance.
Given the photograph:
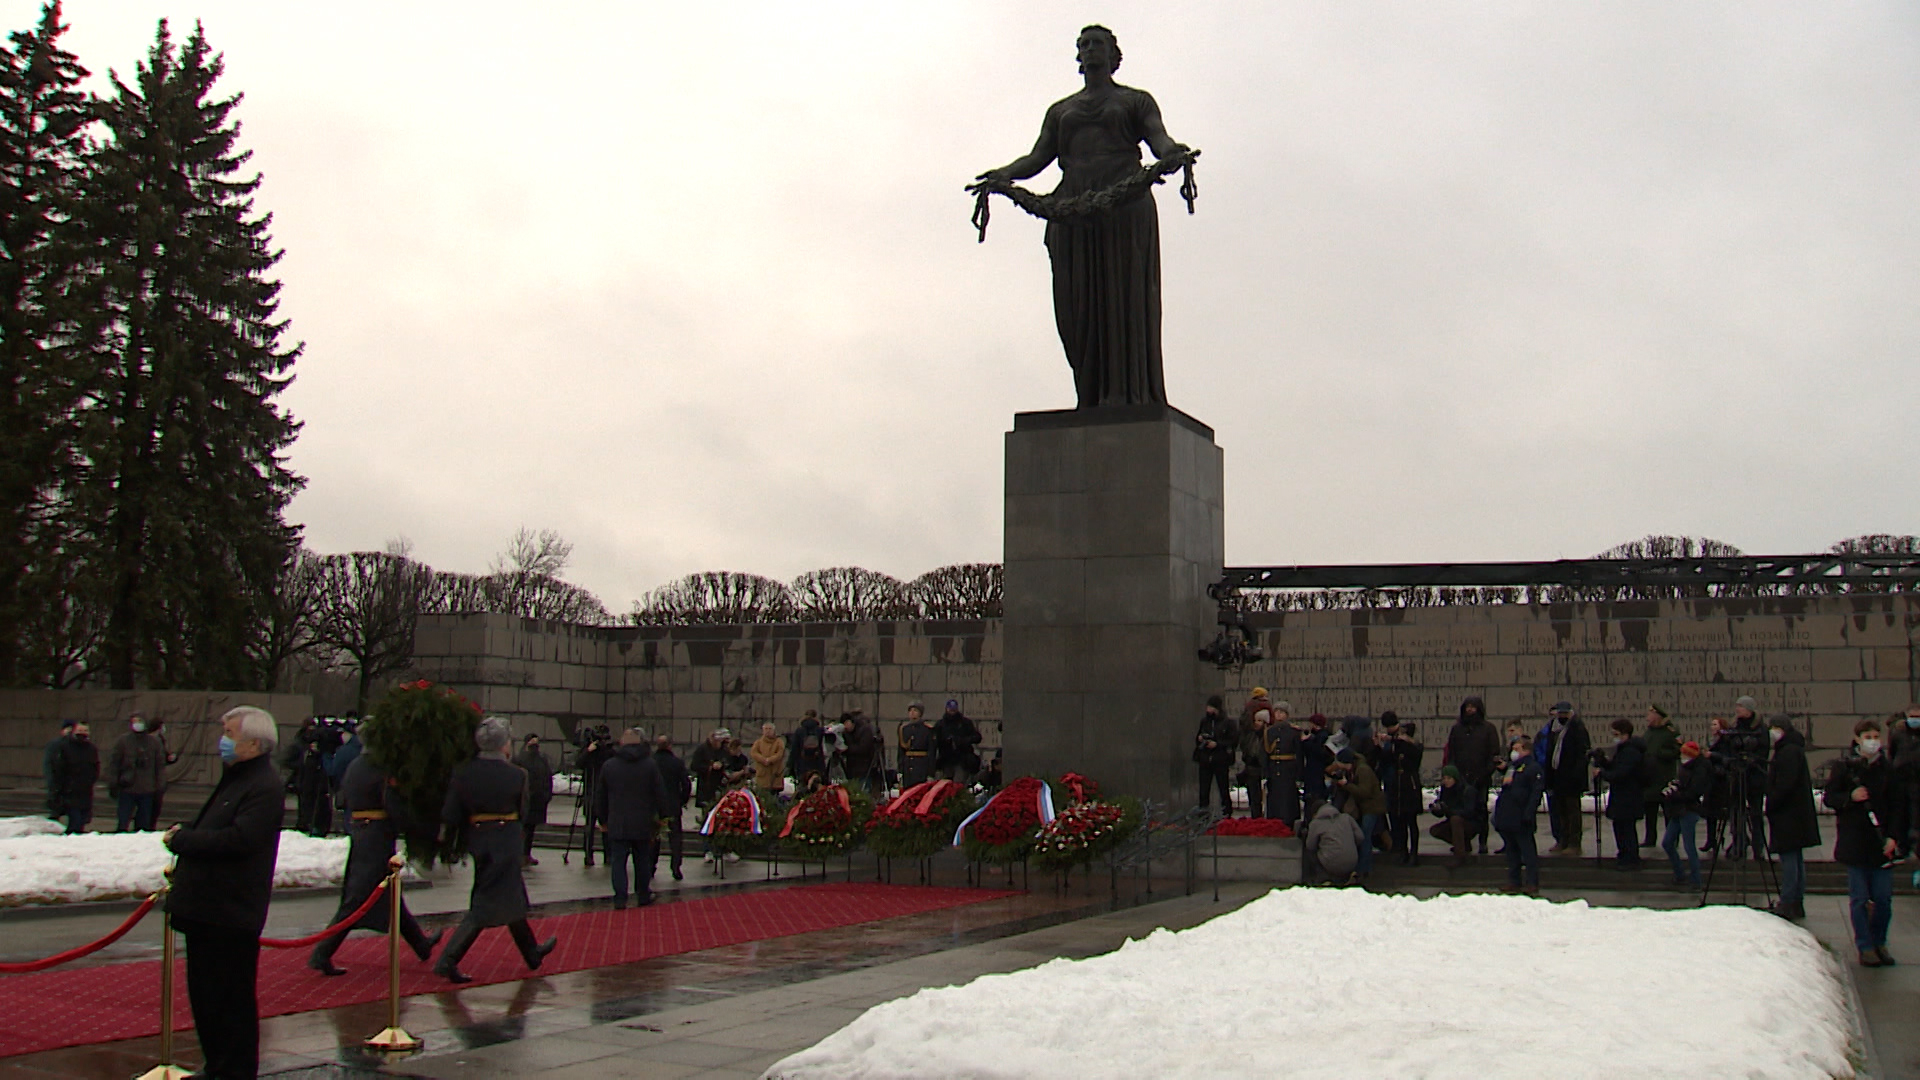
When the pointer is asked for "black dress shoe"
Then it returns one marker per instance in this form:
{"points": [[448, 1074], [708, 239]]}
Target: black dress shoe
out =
{"points": [[644, 901], [327, 968], [433, 942], [540, 952], [677, 875], [1886, 958], [453, 975]]}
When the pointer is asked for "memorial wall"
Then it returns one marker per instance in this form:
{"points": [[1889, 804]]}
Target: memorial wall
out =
{"points": [[1831, 659]]}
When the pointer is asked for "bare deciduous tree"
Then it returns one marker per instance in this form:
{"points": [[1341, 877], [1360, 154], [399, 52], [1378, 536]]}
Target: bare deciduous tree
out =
{"points": [[722, 596], [289, 618], [963, 591], [850, 594], [368, 604]]}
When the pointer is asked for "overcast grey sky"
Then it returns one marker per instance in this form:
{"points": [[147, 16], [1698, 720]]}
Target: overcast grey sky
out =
{"points": [[694, 284]]}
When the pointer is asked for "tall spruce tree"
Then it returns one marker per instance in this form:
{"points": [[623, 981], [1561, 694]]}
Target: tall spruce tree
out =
{"points": [[43, 142], [184, 482]]}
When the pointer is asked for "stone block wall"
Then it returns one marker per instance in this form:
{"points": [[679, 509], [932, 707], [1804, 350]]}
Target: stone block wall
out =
{"points": [[30, 718], [1830, 660], [551, 677]]}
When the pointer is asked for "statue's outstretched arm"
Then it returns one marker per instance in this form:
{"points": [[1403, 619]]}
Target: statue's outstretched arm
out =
{"points": [[1045, 149]]}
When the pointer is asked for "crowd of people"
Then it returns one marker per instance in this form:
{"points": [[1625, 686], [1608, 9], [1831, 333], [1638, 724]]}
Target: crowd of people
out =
{"points": [[1356, 788], [135, 774]]}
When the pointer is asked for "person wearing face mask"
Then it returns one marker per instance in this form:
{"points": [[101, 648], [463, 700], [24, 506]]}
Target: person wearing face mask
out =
{"points": [[1686, 798], [136, 770], [76, 769], [1869, 823], [1903, 733], [1791, 822], [1515, 811], [1663, 755], [222, 884], [1626, 772]]}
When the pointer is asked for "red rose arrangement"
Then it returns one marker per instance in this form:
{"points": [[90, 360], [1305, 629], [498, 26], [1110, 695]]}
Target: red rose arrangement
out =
{"points": [[918, 822], [1271, 827], [737, 822], [1003, 830], [1082, 788], [826, 823], [1083, 831]]}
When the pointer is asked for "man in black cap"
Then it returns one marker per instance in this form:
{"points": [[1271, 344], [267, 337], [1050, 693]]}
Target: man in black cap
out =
{"points": [[1213, 752], [955, 735], [631, 801], [485, 799], [1567, 749]]}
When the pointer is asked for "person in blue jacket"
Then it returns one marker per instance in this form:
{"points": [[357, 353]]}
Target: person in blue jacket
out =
{"points": [[1514, 812]]}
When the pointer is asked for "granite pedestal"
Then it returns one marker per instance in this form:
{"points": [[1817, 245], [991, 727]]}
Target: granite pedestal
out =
{"points": [[1114, 530]]}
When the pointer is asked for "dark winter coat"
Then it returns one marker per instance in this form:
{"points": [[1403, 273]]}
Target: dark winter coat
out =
{"points": [[1364, 795], [1214, 728], [1690, 788], [708, 765], [138, 764], [956, 735], [1791, 821], [1405, 795], [862, 741], [1253, 751], [1462, 800], [1517, 805], [806, 755], [1663, 752], [1861, 829], [1473, 745], [1314, 758], [673, 773], [365, 793], [916, 752], [539, 784], [491, 786], [632, 798], [1567, 757], [224, 874], [76, 769], [1626, 785]]}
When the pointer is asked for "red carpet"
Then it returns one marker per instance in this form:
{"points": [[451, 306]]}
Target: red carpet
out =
{"points": [[59, 1008]]}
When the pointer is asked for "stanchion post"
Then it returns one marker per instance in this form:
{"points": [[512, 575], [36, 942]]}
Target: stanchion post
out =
{"points": [[166, 1070], [394, 1039]]}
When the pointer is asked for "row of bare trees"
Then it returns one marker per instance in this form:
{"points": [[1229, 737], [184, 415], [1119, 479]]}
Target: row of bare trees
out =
{"points": [[838, 594], [1647, 547]]}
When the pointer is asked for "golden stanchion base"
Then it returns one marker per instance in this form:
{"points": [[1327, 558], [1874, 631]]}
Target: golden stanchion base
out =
{"points": [[393, 1040], [165, 1072]]}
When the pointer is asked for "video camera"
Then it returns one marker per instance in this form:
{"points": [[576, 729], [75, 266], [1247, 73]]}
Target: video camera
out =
{"points": [[586, 735], [1233, 646]]}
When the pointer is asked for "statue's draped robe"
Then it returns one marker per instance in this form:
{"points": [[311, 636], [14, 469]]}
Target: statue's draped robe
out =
{"points": [[1106, 266]]}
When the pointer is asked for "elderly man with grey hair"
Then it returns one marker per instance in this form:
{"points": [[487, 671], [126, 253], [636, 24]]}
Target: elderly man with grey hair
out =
{"points": [[222, 884], [485, 800]]}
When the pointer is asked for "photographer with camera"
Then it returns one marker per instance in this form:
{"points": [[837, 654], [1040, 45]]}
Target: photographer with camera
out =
{"points": [[1869, 818], [1364, 801], [594, 746], [1404, 794], [1459, 806], [1213, 752], [806, 754], [1626, 772], [1684, 798], [1740, 758]]}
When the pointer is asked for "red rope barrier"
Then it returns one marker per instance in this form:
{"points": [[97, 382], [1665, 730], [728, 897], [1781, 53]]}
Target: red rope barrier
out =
{"points": [[314, 939], [74, 954]]}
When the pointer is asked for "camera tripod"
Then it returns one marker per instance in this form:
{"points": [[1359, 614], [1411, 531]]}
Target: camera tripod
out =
{"points": [[1741, 832]]}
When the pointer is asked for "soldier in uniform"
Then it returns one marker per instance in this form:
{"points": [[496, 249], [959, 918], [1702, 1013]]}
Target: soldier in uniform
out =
{"points": [[484, 802], [375, 814], [916, 748], [1281, 742]]}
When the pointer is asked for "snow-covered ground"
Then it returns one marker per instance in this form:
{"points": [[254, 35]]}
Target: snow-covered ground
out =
{"points": [[1336, 983], [98, 866], [29, 826]]}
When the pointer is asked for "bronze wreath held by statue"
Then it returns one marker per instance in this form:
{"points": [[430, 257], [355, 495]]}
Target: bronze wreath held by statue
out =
{"points": [[1055, 207]]}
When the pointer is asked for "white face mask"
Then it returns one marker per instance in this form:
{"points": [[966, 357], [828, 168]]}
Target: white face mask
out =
{"points": [[1516, 755], [1869, 747], [1776, 734]]}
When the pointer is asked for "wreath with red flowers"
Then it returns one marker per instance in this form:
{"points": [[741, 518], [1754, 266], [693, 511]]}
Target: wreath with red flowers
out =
{"points": [[919, 821], [827, 823], [1003, 831], [418, 733], [1084, 831], [732, 818]]}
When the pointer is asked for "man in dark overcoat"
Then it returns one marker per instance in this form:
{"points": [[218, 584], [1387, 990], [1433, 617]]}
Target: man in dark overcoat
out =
{"points": [[375, 816], [539, 791], [632, 798], [485, 799], [1792, 823], [222, 884], [1281, 750], [916, 748]]}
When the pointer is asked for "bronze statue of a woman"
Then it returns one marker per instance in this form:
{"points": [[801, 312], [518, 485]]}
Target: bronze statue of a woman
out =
{"points": [[1103, 233]]}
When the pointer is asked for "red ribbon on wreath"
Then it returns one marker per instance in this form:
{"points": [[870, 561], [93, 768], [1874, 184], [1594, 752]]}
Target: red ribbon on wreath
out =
{"points": [[846, 807]]}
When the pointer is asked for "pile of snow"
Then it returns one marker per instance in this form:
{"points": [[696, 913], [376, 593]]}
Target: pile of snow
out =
{"points": [[29, 826], [1320, 983], [103, 866]]}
